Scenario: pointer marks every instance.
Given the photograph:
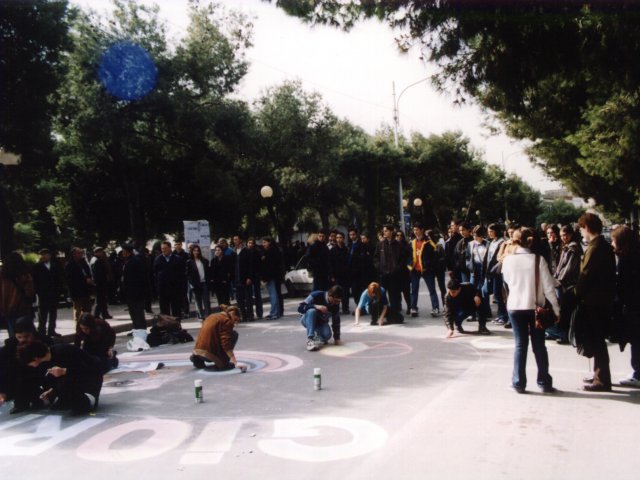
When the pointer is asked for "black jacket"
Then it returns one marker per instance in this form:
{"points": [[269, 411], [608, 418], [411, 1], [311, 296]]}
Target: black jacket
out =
{"points": [[170, 275], [221, 270], [76, 275], [47, 283], [134, 279]]}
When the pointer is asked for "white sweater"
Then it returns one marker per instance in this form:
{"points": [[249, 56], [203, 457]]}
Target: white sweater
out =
{"points": [[518, 272]]}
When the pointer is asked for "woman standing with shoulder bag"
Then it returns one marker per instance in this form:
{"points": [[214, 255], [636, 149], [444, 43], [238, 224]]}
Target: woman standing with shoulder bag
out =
{"points": [[519, 273]]}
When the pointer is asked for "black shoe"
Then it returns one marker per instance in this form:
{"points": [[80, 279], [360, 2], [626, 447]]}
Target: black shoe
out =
{"points": [[198, 361], [518, 389], [596, 387], [547, 389], [18, 409], [562, 341], [460, 330], [484, 331], [507, 325]]}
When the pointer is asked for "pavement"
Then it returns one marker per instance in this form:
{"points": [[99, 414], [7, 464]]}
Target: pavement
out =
{"points": [[398, 401]]}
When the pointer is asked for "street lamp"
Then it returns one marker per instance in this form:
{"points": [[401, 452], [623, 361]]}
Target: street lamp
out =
{"points": [[417, 202], [396, 124], [479, 217], [266, 192]]}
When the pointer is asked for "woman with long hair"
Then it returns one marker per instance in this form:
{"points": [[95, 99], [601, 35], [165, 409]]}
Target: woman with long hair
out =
{"points": [[97, 338], [198, 272], [17, 292], [526, 292], [626, 246]]}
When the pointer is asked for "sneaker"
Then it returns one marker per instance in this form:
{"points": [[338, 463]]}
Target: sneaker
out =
{"points": [[414, 312], [630, 382], [435, 312], [312, 346]]}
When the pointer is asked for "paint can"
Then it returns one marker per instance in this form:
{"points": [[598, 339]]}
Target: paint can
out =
{"points": [[317, 379], [198, 391]]}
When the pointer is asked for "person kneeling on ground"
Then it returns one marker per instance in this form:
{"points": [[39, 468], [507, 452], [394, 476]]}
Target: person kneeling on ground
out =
{"points": [[98, 339], [316, 310], [18, 382], [217, 339], [462, 300], [71, 374], [374, 302]]}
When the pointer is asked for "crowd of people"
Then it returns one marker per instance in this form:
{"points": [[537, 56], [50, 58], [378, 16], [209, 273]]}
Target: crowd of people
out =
{"points": [[590, 285]]}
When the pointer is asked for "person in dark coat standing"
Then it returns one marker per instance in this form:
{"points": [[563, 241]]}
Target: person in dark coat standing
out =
{"points": [[102, 277], [221, 274], [626, 244], [47, 280], [133, 286], [242, 260], [79, 282], [256, 255], [170, 273], [318, 256], [389, 260], [595, 292], [339, 268]]}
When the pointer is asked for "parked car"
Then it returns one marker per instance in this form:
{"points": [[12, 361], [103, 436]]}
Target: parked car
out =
{"points": [[299, 281]]}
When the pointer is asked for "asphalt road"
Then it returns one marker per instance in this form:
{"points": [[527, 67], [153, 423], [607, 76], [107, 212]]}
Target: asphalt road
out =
{"points": [[397, 401]]}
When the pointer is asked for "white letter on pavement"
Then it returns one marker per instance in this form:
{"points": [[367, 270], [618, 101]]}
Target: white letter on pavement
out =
{"points": [[166, 435], [48, 429], [367, 437]]}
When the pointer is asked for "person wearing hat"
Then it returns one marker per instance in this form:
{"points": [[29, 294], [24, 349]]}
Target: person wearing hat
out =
{"points": [[47, 280], [102, 276]]}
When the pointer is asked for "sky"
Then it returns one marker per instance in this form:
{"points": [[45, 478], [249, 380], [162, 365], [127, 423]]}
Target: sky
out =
{"points": [[354, 72]]}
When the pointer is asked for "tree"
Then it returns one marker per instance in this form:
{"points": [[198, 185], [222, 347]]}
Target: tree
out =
{"points": [[33, 37], [556, 73], [559, 212], [139, 166], [300, 140]]}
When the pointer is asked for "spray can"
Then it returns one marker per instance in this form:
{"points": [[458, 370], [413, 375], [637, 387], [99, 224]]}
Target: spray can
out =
{"points": [[198, 391], [317, 379]]}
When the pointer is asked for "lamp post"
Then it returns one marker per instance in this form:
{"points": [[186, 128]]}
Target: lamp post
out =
{"points": [[396, 124], [479, 217], [417, 203], [266, 193]]}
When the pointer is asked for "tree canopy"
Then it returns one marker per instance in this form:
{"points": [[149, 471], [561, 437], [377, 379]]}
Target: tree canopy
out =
{"points": [[561, 74]]}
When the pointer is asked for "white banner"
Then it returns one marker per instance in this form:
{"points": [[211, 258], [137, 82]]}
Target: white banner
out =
{"points": [[197, 232]]}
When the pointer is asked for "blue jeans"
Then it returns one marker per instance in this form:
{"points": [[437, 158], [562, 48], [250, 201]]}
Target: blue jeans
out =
{"points": [[312, 320], [523, 322], [430, 280], [273, 299]]}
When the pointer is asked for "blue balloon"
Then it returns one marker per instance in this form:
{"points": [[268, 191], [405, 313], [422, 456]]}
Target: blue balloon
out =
{"points": [[127, 71]]}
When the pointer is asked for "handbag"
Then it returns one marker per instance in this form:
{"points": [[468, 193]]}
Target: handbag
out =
{"points": [[545, 316]]}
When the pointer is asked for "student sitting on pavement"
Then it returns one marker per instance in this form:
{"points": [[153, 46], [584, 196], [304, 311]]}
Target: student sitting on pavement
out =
{"points": [[217, 339], [316, 310], [71, 374], [17, 382], [97, 339], [463, 300]]}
